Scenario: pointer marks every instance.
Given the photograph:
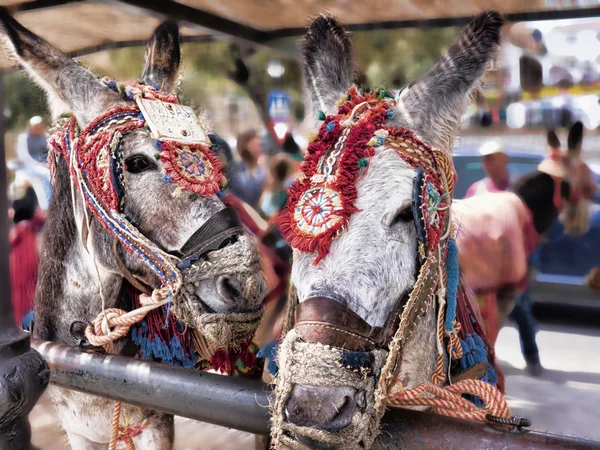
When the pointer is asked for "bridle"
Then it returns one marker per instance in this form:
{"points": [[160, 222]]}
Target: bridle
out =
{"points": [[95, 159], [318, 211]]}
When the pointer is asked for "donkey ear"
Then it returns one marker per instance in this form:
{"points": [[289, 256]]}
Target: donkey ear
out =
{"points": [[552, 139], [575, 139], [163, 55], [433, 105], [70, 87], [328, 66]]}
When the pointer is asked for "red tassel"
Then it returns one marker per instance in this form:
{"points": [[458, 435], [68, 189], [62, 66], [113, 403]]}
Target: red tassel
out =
{"points": [[239, 363], [347, 171]]}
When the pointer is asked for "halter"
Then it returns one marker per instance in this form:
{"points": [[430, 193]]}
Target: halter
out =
{"points": [[95, 159], [328, 341]]}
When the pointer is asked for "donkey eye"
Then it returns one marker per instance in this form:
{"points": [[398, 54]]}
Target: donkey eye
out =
{"points": [[137, 164], [404, 215]]}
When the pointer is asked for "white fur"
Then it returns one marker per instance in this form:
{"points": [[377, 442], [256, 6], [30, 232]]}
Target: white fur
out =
{"points": [[371, 265]]}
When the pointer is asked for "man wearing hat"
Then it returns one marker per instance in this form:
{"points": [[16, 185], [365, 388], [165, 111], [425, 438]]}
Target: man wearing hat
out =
{"points": [[494, 162]]}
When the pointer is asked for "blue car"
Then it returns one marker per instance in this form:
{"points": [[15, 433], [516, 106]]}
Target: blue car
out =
{"points": [[561, 262]]}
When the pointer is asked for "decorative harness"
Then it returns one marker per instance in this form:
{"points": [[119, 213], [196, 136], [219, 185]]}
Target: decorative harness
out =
{"points": [[326, 343], [95, 159]]}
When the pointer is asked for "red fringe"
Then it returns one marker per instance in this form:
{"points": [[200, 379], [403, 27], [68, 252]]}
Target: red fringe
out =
{"points": [[347, 172], [469, 317], [240, 363]]}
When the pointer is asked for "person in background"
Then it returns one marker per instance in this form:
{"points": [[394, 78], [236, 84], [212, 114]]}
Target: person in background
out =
{"points": [[31, 145], [32, 160], [290, 147], [495, 164], [23, 239], [248, 181], [275, 195]]}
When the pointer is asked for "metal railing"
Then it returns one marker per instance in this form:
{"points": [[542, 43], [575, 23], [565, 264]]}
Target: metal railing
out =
{"points": [[243, 404]]}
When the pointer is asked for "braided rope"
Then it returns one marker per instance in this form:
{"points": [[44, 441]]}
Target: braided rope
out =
{"points": [[114, 435], [448, 401]]}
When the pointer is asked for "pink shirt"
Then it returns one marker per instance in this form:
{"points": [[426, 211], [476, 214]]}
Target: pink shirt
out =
{"points": [[486, 186]]}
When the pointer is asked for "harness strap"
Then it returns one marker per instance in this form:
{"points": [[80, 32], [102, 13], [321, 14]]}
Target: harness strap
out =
{"points": [[213, 233], [329, 322]]}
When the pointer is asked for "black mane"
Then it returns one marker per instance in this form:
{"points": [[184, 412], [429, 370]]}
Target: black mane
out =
{"points": [[536, 189]]}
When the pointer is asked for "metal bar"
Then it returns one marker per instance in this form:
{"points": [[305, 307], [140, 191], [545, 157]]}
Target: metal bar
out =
{"points": [[446, 21], [39, 4], [179, 11], [243, 404], [227, 401]]}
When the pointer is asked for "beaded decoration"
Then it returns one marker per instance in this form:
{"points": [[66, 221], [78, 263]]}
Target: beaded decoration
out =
{"points": [[322, 199]]}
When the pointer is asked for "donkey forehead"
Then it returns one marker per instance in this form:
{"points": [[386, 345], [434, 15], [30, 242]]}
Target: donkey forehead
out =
{"points": [[139, 141], [388, 180], [385, 186]]}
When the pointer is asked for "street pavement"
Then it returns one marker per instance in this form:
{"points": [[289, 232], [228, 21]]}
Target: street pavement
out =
{"points": [[564, 400]]}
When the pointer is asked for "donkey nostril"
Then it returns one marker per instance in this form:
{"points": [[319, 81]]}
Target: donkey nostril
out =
{"points": [[325, 407], [229, 289]]}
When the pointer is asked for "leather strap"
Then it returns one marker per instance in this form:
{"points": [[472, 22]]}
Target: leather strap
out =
{"points": [[328, 322], [210, 236]]}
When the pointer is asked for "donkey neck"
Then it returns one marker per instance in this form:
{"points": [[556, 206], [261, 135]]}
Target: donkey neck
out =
{"points": [[536, 189], [68, 287]]}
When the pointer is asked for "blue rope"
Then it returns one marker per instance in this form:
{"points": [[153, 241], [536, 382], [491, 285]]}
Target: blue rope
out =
{"points": [[269, 351], [453, 275]]}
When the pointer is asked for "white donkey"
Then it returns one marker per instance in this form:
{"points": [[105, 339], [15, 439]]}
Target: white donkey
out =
{"points": [[369, 219]]}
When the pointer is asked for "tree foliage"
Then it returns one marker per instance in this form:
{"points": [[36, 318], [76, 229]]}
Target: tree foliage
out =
{"points": [[386, 57], [23, 100]]}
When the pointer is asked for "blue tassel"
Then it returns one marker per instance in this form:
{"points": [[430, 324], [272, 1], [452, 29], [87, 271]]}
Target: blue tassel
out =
{"points": [[330, 126], [474, 352], [28, 320], [389, 114], [167, 179], [453, 275], [112, 84], [269, 351]]}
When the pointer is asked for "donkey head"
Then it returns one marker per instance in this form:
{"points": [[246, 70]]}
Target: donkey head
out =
{"points": [[147, 201], [372, 264], [574, 181]]}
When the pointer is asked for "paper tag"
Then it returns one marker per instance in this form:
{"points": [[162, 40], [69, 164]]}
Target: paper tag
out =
{"points": [[173, 122]]}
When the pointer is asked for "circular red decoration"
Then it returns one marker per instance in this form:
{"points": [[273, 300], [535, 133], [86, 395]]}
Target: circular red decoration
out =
{"points": [[193, 167], [317, 211]]}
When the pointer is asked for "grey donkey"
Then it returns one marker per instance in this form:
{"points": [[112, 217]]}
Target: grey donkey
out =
{"points": [[68, 286], [373, 263]]}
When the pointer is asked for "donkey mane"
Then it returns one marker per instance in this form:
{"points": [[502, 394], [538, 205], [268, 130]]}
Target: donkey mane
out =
{"points": [[536, 189], [58, 238]]}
